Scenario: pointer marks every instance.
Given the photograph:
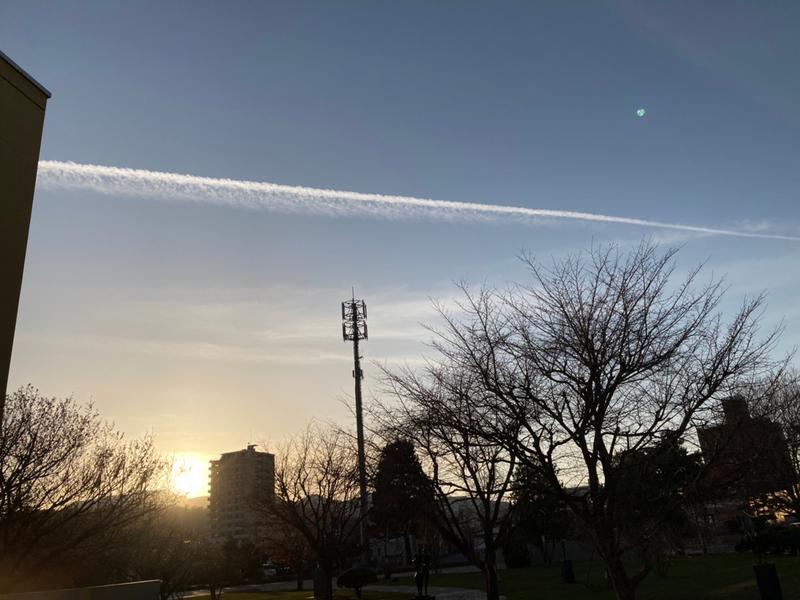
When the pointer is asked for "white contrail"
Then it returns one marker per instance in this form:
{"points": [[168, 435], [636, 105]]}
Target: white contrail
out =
{"points": [[289, 198]]}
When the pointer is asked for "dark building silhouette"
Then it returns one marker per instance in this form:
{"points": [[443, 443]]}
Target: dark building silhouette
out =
{"points": [[239, 481], [746, 456], [22, 106]]}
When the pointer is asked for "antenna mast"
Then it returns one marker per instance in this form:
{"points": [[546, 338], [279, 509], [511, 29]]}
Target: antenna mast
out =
{"points": [[354, 329]]}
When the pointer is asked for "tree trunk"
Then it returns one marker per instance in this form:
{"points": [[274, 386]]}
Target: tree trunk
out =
{"points": [[407, 547], [323, 586], [299, 581], [623, 586], [387, 569], [490, 573], [702, 539]]}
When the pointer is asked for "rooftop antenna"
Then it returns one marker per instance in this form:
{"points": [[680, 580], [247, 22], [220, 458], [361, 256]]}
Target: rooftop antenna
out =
{"points": [[354, 329]]}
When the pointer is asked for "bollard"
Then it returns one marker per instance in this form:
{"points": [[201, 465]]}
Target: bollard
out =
{"points": [[567, 573]]}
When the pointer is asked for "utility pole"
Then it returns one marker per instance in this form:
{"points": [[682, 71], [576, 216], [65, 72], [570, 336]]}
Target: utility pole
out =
{"points": [[354, 329]]}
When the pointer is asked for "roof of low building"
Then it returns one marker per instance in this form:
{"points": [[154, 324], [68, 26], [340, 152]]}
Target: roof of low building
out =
{"points": [[25, 74]]}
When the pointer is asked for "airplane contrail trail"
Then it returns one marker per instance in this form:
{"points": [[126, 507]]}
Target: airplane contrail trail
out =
{"points": [[118, 181]]}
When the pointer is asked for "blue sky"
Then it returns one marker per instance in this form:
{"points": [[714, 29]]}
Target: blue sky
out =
{"points": [[212, 326]]}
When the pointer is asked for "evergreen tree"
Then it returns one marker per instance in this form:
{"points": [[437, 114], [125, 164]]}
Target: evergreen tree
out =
{"points": [[540, 515], [402, 496]]}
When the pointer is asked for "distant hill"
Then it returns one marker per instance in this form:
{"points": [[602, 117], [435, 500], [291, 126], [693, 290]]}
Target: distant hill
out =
{"points": [[197, 502]]}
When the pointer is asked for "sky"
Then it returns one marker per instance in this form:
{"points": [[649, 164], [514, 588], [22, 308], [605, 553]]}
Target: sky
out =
{"points": [[211, 319]]}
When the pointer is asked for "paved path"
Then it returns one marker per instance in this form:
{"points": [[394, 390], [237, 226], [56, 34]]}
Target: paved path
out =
{"points": [[441, 593]]}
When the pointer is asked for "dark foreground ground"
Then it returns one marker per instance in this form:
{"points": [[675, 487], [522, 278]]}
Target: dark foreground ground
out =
{"points": [[728, 577]]}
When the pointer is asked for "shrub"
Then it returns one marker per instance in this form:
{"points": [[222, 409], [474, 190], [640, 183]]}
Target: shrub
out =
{"points": [[356, 578], [515, 552]]}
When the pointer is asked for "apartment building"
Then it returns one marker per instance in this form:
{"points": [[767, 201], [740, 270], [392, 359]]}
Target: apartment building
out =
{"points": [[240, 483]]}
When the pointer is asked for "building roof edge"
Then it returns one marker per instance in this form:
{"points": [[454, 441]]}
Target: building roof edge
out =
{"points": [[25, 74]]}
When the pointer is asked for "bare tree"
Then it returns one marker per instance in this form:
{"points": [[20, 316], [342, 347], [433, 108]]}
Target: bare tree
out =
{"points": [[70, 485], [441, 410], [317, 494], [603, 352], [287, 546], [211, 567], [162, 553], [168, 547]]}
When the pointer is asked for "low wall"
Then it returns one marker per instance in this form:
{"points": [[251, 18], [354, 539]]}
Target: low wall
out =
{"points": [[138, 590]]}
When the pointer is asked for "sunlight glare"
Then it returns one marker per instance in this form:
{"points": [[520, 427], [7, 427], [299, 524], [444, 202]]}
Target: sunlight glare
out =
{"points": [[189, 475]]}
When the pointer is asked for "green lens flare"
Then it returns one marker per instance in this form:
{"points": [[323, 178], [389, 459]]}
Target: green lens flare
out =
{"points": [[640, 112]]}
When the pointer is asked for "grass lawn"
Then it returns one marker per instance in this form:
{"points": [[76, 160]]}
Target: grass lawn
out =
{"points": [[728, 577], [723, 577], [306, 595]]}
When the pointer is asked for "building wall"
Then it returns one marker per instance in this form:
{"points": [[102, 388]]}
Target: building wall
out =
{"points": [[22, 107], [746, 456]]}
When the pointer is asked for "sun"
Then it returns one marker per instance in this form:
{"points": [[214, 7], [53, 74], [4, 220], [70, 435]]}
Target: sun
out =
{"points": [[189, 475]]}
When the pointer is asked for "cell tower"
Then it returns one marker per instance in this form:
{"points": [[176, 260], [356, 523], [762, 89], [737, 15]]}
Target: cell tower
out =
{"points": [[354, 329]]}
